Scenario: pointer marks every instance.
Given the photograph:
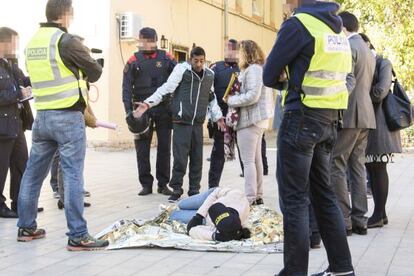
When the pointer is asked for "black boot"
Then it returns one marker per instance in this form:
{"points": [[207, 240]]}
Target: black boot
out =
{"points": [[5, 212], [14, 208], [164, 191], [379, 187], [145, 191]]}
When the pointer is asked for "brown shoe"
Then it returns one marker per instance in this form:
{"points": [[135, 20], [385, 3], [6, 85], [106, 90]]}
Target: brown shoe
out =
{"points": [[27, 234]]}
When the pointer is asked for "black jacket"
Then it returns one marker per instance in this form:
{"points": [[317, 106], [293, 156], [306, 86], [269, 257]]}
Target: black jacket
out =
{"points": [[13, 116], [143, 74], [294, 48]]}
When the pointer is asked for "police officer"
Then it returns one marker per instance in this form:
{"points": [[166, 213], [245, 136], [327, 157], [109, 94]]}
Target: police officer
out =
{"points": [[223, 71], [145, 71], [316, 52], [58, 64], [15, 118]]}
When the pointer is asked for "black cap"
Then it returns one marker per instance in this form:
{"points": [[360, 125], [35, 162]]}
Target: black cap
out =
{"points": [[226, 220], [148, 33]]}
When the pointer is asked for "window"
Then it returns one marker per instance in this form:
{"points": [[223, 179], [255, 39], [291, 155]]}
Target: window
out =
{"points": [[180, 53], [257, 8], [239, 6]]}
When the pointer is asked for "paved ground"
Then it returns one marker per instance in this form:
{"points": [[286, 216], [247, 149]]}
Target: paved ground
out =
{"points": [[111, 178]]}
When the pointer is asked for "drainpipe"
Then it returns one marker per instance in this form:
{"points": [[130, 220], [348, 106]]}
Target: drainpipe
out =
{"points": [[226, 23]]}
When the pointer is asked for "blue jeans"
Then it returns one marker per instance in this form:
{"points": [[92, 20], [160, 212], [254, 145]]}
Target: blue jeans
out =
{"points": [[305, 142], [189, 206], [64, 131]]}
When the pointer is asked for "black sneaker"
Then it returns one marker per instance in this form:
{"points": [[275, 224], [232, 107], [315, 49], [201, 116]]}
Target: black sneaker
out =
{"points": [[86, 243], [14, 208], [5, 212], [191, 193], [145, 191], [28, 234], [164, 191], [315, 241], [329, 273], [359, 230], [174, 197]]}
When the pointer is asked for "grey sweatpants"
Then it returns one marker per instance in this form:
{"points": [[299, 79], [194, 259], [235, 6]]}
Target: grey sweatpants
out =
{"points": [[187, 144]]}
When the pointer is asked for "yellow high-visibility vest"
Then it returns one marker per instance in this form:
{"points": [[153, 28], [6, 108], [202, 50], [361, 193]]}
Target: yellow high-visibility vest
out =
{"points": [[54, 86], [324, 84]]}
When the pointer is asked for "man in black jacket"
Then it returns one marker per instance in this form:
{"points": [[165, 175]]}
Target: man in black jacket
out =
{"points": [[15, 118], [308, 131], [145, 71], [223, 71]]}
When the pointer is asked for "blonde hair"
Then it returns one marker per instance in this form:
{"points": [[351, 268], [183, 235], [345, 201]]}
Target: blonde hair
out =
{"points": [[250, 53]]}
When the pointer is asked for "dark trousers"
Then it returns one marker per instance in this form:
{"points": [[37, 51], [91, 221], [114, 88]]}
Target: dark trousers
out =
{"points": [[187, 143], [264, 157], [162, 125], [13, 155], [216, 160], [54, 172], [57, 176], [313, 224], [379, 185], [305, 143]]}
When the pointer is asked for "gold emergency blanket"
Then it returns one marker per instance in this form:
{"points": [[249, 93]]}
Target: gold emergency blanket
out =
{"points": [[264, 223]]}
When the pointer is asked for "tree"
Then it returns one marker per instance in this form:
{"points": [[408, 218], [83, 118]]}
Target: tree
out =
{"points": [[390, 27]]}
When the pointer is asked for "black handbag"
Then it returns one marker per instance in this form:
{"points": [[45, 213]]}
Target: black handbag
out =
{"points": [[397, 108]]}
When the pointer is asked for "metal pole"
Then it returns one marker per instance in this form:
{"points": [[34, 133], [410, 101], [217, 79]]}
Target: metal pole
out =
{"points": [[226, 23]]}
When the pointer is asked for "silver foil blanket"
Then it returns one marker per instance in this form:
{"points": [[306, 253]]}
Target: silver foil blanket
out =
{"points": [[264, 223]]}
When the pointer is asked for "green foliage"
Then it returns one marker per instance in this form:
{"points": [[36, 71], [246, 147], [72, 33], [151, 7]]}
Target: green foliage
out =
{"points": [[390, 26]]}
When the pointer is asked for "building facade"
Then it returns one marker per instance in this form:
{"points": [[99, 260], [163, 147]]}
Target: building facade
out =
{"points": [[180, 24]]}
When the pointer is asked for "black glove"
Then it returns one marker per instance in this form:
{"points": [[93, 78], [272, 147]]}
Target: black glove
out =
{"points": [[195, 221]]}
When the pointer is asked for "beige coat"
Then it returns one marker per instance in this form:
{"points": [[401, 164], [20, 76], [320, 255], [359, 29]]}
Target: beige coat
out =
{"points": [[228, 197], [255, 100]]}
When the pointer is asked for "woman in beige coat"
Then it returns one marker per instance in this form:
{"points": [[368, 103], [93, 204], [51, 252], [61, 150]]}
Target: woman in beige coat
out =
{"points": [[256, 108]]}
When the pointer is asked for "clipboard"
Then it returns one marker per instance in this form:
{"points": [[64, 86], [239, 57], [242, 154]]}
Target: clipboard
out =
{"points": [[229, 87]]}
